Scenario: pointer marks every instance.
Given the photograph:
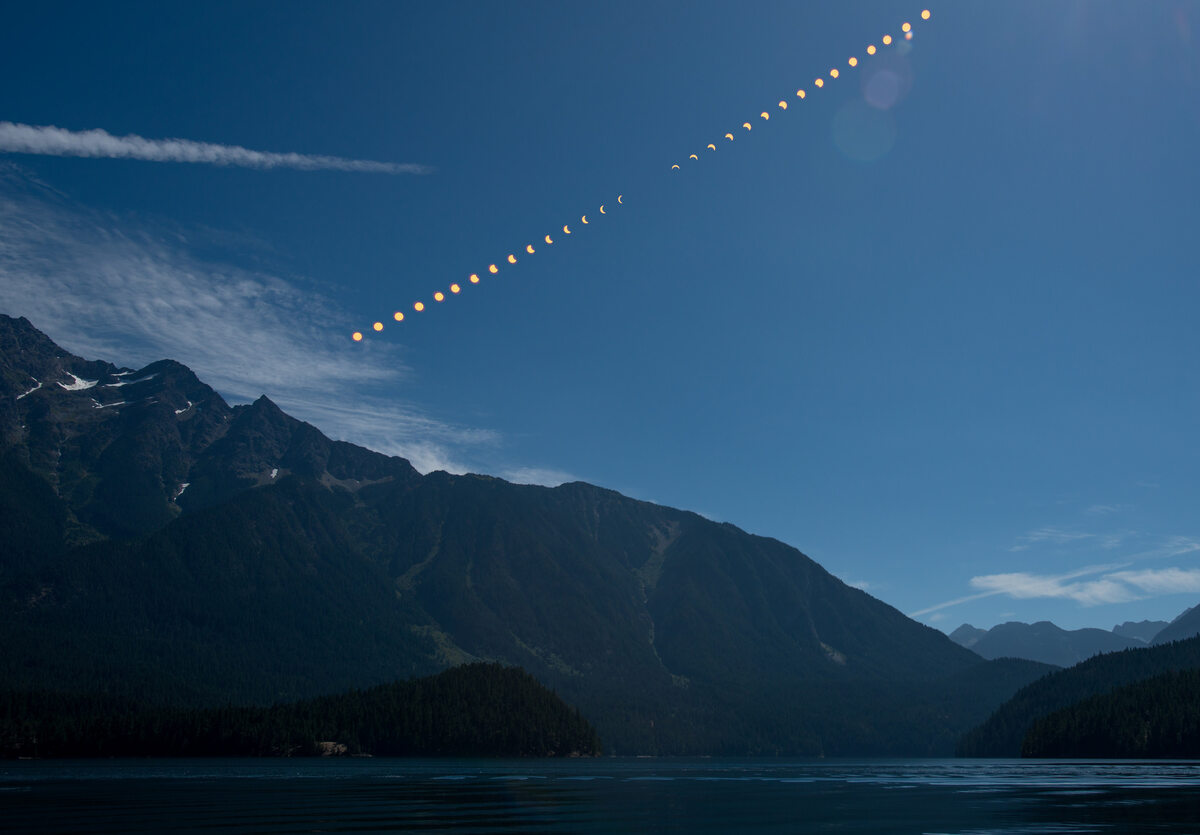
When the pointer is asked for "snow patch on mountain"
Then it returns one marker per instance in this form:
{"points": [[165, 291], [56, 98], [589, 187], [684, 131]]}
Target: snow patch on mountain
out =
{"points": [[32, 390], [79, 384], [129, 382]]}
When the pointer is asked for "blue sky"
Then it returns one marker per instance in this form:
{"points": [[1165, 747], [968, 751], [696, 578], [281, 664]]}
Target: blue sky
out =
{"points": [[943, 341]]}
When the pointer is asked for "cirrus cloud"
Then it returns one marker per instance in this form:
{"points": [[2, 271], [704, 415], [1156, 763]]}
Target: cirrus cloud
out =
{"points": [[60, 142]]}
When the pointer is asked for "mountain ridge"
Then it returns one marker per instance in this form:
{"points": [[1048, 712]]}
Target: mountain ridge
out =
{"points": [[187, 550]]}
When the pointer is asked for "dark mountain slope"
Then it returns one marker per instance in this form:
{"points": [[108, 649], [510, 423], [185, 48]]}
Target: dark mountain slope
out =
{"points": [[1002, 733], [1187, 625], [1142, 630], [291, 565]]}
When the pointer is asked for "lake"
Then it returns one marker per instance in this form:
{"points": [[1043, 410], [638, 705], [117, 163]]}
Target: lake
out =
{"points": [[601, 795]]}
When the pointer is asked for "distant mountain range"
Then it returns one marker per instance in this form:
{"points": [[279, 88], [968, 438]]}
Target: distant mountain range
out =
{"points": [[1049, 644], [161, 545]]}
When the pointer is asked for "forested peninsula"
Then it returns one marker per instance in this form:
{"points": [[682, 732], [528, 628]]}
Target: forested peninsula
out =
{"points": [[478, 710]]}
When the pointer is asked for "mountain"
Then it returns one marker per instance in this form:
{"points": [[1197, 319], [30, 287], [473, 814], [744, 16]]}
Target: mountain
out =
{"points": [[171, 548], [1003, 732], [1041, 641], [1143, 630], [967, 635], [1187, 625], [1152, 718]]}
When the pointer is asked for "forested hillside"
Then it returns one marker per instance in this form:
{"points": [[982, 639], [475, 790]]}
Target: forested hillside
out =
{"points": [[1155, 718], [471, 711], [1003, 733]]}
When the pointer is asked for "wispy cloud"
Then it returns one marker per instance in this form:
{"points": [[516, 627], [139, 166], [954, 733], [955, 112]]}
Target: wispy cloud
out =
{"points": [[1023, 586], [544, 476], [1115, 585], [1049, 535], [105, 289], [1105, 509], [55, 141]]}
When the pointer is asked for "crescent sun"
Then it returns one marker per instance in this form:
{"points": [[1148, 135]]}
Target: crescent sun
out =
{"points": [[618, 198], [602, 209], [585, 220], [566, 229]]}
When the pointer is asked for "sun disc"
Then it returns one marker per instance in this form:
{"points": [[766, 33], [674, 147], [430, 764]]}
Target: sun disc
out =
{"points": [[474, 278], [493, 269], [454, 288], [529, 248], [356, 336], [925, 15], [398, 316], [439, 296], [378, 326], [419, 306]]}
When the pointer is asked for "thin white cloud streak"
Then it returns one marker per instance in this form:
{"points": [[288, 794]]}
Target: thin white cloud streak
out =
{"points": [[1053, 536], [55, 141], [542, 476], [991, 590], [132, 298], [1116, 586]]}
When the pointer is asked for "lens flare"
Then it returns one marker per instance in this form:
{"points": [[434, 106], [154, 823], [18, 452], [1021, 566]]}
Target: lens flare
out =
{"points": [[908, 36], [356, 336]]}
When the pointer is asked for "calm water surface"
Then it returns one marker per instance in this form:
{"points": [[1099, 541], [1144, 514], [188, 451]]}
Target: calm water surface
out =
{"points": [[604, 795]]}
